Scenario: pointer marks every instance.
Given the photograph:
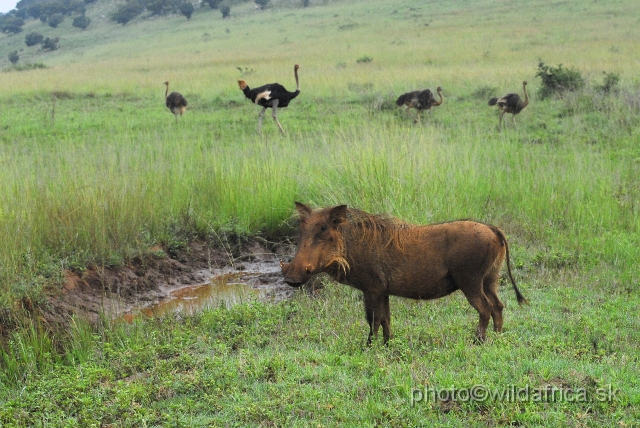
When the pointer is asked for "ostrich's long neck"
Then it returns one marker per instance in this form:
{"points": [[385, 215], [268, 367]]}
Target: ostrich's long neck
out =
{"points": [[526, 96], [441, 99], [295, 72], [295, 93], [166, 92]]}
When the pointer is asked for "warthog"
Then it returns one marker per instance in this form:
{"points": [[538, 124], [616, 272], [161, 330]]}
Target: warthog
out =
{"points": [[385, 257]]}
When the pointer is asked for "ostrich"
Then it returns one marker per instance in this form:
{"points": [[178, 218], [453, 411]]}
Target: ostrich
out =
{"points": [[511, 103], [175, 102], [272, 96], [419, 100]]}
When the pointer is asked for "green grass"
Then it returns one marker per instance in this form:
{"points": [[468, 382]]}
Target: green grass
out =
{"points": [[95, 171], [304, 362]]}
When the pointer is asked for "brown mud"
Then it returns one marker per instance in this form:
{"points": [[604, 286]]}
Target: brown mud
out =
{"points": [[202, 275]]}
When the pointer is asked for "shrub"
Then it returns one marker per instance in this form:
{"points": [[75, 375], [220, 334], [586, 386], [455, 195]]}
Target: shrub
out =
{"points": [[186, 9], [365, 59], [81, 22], [127, 12], [55, 20], [262, 3], [28, 66], [33, 39], [610, 83], [305, 3], [226, 11], [485, 91], [557, 80], [50, 44], [14, 57]]}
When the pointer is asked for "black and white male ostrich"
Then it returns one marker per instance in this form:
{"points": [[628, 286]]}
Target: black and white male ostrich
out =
{"points": [[419, 100], [271, 96], [175, 102], [511, 103]]}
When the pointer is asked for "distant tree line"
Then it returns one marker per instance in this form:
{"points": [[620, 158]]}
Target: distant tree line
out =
{"points": [[133, 8], [54, 12], [51, 12]]}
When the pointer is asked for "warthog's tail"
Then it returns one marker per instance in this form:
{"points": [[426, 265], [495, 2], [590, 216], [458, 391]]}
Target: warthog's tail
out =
{"points": [[519, 296]]}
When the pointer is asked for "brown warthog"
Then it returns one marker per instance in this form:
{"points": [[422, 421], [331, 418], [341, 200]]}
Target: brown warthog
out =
{"points": [[387, 257]]}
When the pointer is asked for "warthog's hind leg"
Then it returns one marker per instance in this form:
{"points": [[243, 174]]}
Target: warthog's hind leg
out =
{"points": [[483, 305]]}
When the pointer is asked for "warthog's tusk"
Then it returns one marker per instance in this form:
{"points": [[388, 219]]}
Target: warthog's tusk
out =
{"points": [[281, 264], [308, 269]]}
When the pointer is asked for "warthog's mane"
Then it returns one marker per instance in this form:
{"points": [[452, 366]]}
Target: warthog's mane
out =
{"points": [[379, 228]]}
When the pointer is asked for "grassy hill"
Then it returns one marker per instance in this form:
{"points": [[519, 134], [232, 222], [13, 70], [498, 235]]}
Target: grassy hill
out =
{"points": [[95, 171]]}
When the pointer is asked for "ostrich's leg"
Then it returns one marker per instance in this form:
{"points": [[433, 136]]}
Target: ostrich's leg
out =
{"points": [[410, 115], [274, 107], [500, 123], [260, 116]]}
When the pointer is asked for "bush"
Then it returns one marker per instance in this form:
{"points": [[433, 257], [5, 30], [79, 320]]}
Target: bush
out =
{"points": [[127, 12], [50, 44], [14, 57], [186, 9], [305, 3], [81, 22], [610, 83], [226, 11], [262, 3], [365, 59], [33, 39], [55, 20], [28, 66], [557, 80]]}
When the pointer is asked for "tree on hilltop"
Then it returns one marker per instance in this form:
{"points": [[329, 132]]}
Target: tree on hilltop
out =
{"points": [[33, 39], [127, 12], [81, 22], [14, 57], [187, 9]]}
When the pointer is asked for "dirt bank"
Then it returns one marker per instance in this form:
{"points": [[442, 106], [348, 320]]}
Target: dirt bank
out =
{"points": [[155, 278]]}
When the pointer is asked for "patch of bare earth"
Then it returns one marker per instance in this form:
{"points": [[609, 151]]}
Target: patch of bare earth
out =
{"points": [[154, 278]]}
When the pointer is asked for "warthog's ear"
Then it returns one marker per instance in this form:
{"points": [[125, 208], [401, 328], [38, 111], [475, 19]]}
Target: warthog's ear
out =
{"points": [[338, 215], [303, 210]]}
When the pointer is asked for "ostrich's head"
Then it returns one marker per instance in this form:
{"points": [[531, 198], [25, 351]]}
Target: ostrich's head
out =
{"points": [[439, 89], [296, 67], [524, 83], [166, 83], [242, 84]]}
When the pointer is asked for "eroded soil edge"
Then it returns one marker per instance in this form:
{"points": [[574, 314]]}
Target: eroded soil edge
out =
{"points": [[151, 279]]}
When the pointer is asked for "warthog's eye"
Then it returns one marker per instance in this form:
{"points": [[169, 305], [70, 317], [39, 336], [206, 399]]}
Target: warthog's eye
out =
{"points": [[323, 228]]}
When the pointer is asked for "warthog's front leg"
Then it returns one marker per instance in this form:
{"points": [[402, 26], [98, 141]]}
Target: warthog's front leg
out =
{"points": [[378, 313]]}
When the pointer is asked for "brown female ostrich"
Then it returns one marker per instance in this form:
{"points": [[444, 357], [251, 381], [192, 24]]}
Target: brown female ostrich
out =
{"points": [[272, 95], [419, 100], [511, 103], [175, 102]]}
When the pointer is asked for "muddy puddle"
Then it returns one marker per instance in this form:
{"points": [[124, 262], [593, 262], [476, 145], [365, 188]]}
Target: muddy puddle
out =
{"points": [[259, 279]]}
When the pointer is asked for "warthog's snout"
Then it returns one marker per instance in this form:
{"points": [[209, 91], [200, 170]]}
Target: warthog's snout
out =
{"points": [[290, 276], [292, 282]]}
